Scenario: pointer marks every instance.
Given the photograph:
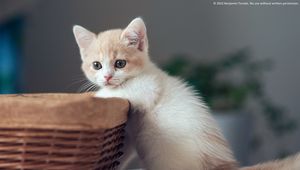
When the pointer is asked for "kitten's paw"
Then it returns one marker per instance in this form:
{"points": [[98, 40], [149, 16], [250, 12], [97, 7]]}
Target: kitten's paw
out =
{"points": [[107, 94], [103, 94]]}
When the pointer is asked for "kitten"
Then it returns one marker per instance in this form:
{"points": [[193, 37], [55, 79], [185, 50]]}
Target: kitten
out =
{"points": [[170, 126], [290, 163]]}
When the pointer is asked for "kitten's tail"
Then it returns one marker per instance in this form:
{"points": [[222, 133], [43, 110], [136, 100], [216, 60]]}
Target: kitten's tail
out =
{"points": [[289, 163]]}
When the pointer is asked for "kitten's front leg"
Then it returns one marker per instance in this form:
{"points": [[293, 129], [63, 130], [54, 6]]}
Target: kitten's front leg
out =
{"points": [[144, 94], [128, 150], [107, 93]]}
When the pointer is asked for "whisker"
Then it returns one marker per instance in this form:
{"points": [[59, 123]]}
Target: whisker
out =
{"points": [[79, 80], [89, 89], [95, 88], [85, 86]]}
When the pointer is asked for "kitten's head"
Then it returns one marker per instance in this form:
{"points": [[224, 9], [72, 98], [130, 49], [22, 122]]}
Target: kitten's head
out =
{"points": [[113, 56]]}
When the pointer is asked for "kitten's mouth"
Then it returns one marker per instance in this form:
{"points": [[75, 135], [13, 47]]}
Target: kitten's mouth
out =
{"points": [[113, 84], [109, 84]]}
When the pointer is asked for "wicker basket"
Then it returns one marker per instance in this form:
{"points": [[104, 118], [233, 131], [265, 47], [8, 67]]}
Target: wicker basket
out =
{"points": [[61, 131]]}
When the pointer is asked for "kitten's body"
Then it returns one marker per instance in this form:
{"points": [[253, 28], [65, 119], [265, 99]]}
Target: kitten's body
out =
{"points": [[290, 163], [172, 128], [169, 125]]}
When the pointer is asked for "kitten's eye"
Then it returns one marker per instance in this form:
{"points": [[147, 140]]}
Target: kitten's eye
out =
{"points": [[120, 63], [97, 65]]}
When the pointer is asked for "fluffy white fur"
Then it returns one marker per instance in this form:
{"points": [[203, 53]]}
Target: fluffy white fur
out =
{"points": [[169, 126], [172, 127]]}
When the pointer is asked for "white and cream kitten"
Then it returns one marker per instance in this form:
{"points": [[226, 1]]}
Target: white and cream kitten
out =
{"points": [[171, 128]]}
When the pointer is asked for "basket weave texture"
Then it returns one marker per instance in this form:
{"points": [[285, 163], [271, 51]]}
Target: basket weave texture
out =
{"points": [[61, 132]]}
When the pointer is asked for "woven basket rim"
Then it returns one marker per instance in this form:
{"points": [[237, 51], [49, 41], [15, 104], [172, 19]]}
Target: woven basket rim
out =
{"points": [[65, 111]]}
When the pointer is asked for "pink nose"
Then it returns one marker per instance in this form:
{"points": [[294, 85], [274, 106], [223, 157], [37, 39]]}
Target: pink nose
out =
{"points": [[108, 77]]}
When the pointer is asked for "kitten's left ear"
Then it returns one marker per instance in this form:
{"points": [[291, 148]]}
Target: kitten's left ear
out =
{"points": [[135, 35], [84, 37]]}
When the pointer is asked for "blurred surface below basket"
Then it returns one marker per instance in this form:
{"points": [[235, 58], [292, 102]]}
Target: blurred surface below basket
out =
{"points": [[61, 131]]}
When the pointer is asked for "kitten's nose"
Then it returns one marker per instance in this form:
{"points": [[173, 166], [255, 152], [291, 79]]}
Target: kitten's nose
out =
{"points": [[108, 77]]}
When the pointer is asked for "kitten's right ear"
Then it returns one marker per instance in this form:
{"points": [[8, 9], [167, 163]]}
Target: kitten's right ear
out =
{"points": [[83, 37], [135, 35]]}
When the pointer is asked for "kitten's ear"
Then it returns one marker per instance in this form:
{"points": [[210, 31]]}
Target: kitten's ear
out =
{"points": [[135, 35], [83, 37]]}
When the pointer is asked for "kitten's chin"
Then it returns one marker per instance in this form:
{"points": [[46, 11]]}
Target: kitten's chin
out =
{"points": [[110, 85]]}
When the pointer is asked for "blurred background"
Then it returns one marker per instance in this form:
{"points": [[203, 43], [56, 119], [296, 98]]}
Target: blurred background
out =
{"points": [[244, 60]]}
